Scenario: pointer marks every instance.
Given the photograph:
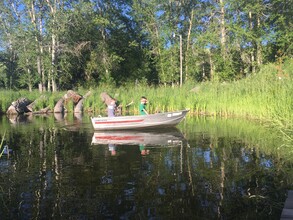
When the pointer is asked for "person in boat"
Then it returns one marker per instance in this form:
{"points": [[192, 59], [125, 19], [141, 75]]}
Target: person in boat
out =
{"points": [[111, 108], [142, 105]]}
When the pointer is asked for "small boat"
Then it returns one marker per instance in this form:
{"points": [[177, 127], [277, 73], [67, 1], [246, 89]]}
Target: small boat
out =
{"points": [[158, 120], [154, 137]]}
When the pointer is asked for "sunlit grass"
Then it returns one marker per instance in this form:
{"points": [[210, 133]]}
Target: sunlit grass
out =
{"points": [[261, 96]]}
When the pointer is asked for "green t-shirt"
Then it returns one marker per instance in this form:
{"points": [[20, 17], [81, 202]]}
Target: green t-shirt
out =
{"points": [[142, 108]]}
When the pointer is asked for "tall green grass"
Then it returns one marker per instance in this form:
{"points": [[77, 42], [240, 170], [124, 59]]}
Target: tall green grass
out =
{"points": [[261, 96]]}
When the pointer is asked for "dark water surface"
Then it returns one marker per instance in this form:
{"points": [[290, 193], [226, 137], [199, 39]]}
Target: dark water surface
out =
{"points": [[59, 168]]}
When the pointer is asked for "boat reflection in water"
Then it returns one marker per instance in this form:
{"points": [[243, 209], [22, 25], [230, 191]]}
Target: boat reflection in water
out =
{"points": [[147, 137], [144, 138]]}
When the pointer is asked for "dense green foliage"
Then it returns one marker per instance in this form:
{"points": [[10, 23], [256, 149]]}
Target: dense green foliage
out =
{"points": [[262, 96], [62, 44]]}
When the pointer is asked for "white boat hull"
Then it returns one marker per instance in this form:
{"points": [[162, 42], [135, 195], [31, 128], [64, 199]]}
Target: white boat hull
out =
{"points": [[167, 119]]}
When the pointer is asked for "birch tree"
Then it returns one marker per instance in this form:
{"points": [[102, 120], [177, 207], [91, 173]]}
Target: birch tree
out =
{"points": [[8, 23], [35, 10]]}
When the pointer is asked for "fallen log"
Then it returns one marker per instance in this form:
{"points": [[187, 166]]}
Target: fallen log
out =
{"points": [[71, 95], [24, 105], [79, 106], [42, 111], [19, 106], [106, 98], [59, 107], [11, 110], [38, 102]]}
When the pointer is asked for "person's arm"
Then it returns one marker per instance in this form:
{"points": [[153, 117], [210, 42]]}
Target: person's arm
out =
{"points": [[129, 104], [145, 111]]}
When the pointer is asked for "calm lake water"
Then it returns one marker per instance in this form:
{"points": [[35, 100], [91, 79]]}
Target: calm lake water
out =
{"points": [[58, 168]]}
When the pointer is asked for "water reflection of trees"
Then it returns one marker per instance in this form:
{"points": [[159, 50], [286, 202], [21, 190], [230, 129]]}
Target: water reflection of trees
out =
{"points": [[40, 152], [238, 175], [214, 182], [55, 172], [226, 177]]}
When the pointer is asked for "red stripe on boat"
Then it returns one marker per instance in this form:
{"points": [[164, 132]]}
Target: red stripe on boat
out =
{"points": [[117, 122], [120, 138]]}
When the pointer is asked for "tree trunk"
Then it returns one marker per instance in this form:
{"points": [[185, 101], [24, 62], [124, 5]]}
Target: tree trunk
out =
{"points": [[258, 46], [211, 64], [42, 111], [188, 44], [79, 106], [41, 70], [52, 78], [223, 28], [29, 83], [106, 98], [11, 54], [105, 55], [74, 96], [53, 64], [252, 55], [37, 24], [59, 107]]}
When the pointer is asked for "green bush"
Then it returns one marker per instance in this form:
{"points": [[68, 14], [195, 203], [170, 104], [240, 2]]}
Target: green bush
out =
{"points": [[263, 96]]}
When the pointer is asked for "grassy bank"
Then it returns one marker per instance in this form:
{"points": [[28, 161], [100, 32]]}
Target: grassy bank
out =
{"points": [[263, 96]]}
